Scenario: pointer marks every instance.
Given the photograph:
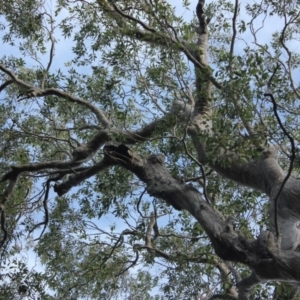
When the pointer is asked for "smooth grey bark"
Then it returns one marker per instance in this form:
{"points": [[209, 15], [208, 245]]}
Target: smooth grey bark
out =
{"points": [[268, 260], [263, 255], [267, 176]]}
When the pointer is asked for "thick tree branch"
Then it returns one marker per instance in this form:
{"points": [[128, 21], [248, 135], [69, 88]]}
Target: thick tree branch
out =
{"points": [[148, 237], [35, 167], [152, 36], [248, 174], [85, 152], [267, 176], [76, 179], [263, 255], [88, 150]]}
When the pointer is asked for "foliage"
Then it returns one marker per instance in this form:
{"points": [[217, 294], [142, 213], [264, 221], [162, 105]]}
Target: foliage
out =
{"points": [[77, 76]]}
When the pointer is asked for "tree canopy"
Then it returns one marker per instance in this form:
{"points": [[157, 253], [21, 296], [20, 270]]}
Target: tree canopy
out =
{"points": [[149, 149]]}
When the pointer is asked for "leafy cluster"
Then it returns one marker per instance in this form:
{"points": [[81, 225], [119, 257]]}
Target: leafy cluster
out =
{"points": [[142, 73]]}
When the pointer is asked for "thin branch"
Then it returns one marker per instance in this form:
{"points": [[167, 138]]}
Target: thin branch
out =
{"points": [[34, 167], [234, 28], [145, 85], [292, 158], [288, 51], [51, 55], [138, 203], [45, 205], [158, 38], [46, 220], [6, 84], [225, 274], [222, 296], [150, 226], [36, 92], [145, 26], [191, 55], [133, 263], [156, 251], [39, 135], [155, 226], [233, 271], [3, 225], [272, 76], [118, 244]]}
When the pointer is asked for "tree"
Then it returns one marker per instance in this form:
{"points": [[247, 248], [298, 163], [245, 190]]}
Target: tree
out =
{"points": [[180, 128]]}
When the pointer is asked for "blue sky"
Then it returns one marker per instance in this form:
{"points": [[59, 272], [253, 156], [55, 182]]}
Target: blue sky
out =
{"points": [[63, 54]]}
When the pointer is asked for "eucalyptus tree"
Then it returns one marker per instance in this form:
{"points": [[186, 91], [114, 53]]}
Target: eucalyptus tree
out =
{"points": [[149, 149]]}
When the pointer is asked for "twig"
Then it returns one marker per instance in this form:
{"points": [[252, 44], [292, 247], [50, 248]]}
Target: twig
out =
{"points": [[5, 84], [139, 201], [133, 263]]}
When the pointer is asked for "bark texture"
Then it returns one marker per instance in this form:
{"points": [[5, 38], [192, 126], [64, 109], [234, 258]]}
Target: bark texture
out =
{"points": [[267, 259]]}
